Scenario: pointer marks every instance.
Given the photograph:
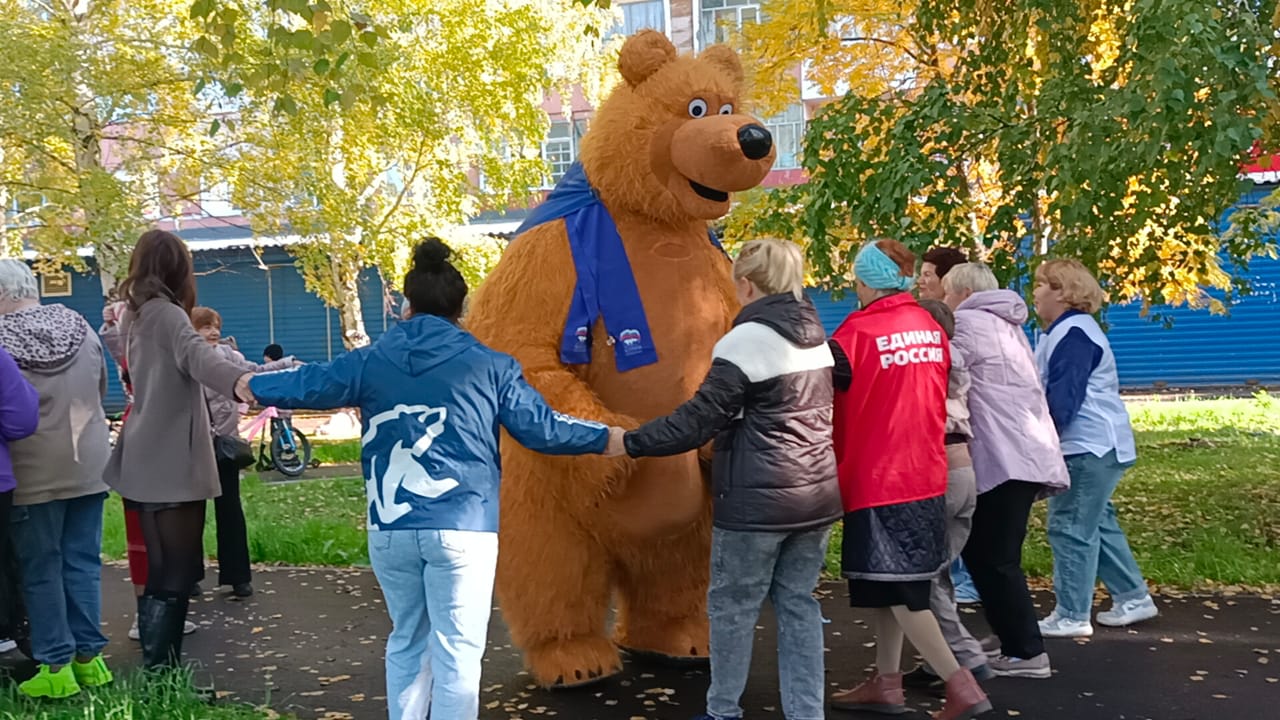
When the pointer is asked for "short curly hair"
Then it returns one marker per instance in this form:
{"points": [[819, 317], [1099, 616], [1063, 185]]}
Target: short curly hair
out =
{"points": [[1080, 289]]}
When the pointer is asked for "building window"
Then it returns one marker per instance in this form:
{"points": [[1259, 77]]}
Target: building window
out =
{"points": [[215, 201], [561, 147], [55, 284], [644, 15], [787, 128], [718, 18]]}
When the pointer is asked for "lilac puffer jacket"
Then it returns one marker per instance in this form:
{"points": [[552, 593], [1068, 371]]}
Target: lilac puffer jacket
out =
{"points": [[1013, 434]]}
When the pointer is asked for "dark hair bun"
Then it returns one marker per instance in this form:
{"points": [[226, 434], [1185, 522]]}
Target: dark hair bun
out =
{"points": [[431, 256]]}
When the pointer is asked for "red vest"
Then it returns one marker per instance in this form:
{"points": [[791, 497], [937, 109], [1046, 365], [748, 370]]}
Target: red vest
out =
{"points": [[889, 426]]}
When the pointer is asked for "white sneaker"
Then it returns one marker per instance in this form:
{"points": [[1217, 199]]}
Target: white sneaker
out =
{"points": [[7, 645], [1128, 613], [1056, 626], [187, 629], [1037, 667]]}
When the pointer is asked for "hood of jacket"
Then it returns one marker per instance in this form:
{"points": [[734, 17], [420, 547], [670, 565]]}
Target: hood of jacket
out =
{"points": [[1004, 304], [44, 338], [795, 320], [423, 342]]}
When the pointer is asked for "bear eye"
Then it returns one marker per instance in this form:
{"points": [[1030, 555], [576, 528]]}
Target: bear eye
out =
{"points": [[726, 109], [697, 108]]}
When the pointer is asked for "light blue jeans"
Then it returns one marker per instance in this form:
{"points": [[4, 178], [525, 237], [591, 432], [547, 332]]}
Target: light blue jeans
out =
{"points": [[438, 586], [963, 581], [59, 549], [1087, 541], [745, 568]]}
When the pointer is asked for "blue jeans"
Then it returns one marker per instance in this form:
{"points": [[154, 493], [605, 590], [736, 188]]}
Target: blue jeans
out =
{"points": [[745, 567], [438, 586], [59, 548], [1087, 541], [965, 589]]}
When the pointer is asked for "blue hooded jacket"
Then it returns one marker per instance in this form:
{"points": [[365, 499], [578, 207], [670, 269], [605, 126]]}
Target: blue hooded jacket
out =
{"points": [[432, 400]]}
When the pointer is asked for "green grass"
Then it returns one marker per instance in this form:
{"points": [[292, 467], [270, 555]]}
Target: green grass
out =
{"points": [[1201, 507], [314, 522], [136, 697], [333, 452]]}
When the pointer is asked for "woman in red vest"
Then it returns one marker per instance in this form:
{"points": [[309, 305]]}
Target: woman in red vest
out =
{"points": [[892, 361]]}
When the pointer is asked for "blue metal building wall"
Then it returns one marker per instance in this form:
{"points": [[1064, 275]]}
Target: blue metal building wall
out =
{"points": [[233, 283]]}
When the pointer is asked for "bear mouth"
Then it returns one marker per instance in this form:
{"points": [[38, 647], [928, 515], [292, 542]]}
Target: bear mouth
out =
{"points": [[709, 193]]}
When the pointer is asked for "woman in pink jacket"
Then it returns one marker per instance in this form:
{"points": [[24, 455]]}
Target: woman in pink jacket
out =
{"points": [[1016, 459]]}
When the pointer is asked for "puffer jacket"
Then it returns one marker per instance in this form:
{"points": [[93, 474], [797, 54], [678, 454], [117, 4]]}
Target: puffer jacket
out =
{"points": [[19, 414], [767, 402], [61, 357], [1013, 434]]}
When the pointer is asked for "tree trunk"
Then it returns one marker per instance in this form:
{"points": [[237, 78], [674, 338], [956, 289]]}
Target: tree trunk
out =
{"points": [[346, 287]]}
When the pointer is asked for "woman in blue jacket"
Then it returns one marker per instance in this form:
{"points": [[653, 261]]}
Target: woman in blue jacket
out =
{"points": [[432, 400]]}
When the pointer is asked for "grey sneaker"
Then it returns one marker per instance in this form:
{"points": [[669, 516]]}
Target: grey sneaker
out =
{"points": [[1125, 614], [1036, 667]]}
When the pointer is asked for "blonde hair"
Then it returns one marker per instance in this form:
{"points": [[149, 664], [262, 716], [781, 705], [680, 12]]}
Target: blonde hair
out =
{"points": [[971, 276], [774, 266], [1080, 289]]}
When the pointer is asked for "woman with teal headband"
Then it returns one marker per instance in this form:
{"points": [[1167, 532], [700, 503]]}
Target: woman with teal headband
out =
{"points": [[892, 363]]}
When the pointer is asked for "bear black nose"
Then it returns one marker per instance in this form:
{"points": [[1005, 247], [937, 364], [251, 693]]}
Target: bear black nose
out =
{"points": [[756, 142]]}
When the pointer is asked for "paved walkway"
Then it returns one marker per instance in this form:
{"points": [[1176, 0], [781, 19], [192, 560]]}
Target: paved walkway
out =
{"points": [[310, 642]]}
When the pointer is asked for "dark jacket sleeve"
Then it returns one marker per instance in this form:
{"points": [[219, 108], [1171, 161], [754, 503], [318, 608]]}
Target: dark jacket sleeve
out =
{"points": [[1073, 361], [842, 371], [693, 424]]}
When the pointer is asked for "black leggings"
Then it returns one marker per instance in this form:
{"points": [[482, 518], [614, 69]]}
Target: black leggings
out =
{"points": [[175, 547]]}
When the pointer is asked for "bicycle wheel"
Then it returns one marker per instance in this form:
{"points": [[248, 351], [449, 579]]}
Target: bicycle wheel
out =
{"points": [[290, 458]]}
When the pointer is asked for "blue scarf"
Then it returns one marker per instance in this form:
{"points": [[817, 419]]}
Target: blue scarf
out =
{"points": [[606, 286]]}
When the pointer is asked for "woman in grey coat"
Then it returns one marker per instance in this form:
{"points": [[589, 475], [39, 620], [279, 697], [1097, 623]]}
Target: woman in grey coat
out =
{"points": [[163, 464]]}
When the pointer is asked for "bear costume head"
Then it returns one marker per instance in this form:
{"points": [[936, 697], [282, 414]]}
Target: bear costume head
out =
{"points": [[672, 143]]}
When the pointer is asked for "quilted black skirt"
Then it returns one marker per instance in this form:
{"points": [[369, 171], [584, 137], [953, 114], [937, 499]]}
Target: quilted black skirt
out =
{"points": [[906, 542]]}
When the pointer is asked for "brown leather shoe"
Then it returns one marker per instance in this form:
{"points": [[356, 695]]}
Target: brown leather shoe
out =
{"points": [[965, 698], [881, 694]]}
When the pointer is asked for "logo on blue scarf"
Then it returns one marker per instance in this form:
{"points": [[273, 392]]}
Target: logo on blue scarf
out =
{"points": [[632, 341]]}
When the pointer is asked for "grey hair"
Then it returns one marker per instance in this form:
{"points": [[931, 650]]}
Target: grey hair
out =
{"points": [[974, 277], [17, 282]]}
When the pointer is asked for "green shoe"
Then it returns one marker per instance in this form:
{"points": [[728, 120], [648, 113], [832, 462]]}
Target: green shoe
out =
{"points": [[57, 685], [93, 673]]}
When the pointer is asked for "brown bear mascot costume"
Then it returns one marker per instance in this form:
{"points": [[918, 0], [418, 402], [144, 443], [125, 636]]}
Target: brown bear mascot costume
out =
{"points": [[611, 297]]}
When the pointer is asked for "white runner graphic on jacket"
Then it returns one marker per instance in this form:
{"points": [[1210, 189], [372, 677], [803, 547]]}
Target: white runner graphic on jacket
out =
{"points": [[402, 469]]}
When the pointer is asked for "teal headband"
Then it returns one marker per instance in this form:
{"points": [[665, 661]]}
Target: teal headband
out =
{"points": [[878, 271]]}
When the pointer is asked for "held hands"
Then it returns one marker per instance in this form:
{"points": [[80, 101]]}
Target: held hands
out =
{"points": [[616, 447], [243, 394]]}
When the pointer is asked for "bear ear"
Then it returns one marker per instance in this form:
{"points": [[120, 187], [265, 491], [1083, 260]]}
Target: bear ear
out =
{"points": [[642, 54], [725, 58]]}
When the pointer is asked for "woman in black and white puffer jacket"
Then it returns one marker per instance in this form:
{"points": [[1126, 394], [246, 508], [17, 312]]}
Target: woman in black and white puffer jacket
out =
{"points": [[767, 403]]}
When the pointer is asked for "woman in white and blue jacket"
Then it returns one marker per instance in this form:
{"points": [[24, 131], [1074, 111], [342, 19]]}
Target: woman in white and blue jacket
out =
{"points": [[1082, 387], [432, 400]]}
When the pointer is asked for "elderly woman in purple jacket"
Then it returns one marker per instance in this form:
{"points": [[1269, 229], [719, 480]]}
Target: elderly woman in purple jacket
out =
{"points": [[1016, 459], [19, 417]]}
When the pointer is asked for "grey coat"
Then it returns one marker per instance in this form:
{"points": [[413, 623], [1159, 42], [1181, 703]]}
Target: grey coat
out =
{"points": [[165, 452]]}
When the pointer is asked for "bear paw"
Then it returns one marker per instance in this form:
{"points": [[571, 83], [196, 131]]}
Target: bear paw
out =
{"points": [[680, 642], [572, 662]]}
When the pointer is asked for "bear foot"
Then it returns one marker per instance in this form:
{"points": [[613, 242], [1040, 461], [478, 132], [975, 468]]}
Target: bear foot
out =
{"points": [[573, 662], [680, 642]]}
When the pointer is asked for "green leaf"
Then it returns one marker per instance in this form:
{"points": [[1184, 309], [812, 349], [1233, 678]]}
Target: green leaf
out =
{"points": [[214, 127], [367, 59], [369, 38], [331, 96], [321, 66], [233, 89], [286, 104], [342, 60], [340, 31]]}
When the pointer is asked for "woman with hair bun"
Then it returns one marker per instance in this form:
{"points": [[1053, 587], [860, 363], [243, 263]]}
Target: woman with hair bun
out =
{"points": [[432, 399]]}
